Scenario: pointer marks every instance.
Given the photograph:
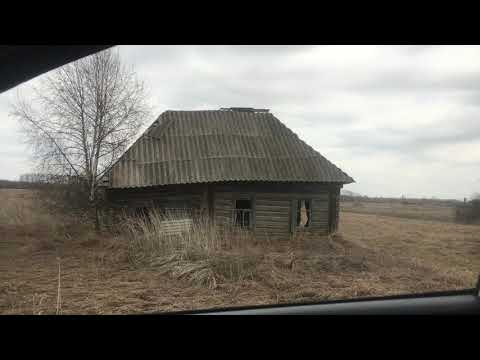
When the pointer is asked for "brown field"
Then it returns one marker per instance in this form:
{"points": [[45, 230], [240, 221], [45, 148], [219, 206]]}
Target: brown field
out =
{"points": [[373, 255], [423, 211]]}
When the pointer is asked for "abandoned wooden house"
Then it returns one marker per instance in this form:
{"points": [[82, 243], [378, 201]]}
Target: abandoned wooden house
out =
{"points": [[238, 166]]}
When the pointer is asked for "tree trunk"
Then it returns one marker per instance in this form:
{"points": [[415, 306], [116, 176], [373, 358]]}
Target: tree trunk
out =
{"points": [[97, 219]]}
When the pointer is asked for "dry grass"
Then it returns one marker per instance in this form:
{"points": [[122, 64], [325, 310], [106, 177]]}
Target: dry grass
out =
{"points": [[426, 211], [372, 255], [203, 255], [447, 254], [22, 215]]}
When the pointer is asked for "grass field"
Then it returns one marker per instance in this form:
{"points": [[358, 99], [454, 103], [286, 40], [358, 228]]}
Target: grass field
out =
{"points": [[424, 211], [373, 255]]}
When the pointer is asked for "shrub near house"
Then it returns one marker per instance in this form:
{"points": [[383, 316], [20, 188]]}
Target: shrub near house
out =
{"points": [[468, 213]]}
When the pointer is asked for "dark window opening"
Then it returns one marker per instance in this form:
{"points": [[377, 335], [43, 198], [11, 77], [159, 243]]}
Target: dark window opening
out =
{"points": [[303, 213], [242, 213]]}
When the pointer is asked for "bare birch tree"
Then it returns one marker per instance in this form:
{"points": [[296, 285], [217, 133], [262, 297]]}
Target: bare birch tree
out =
{"points": [[83, 117]]}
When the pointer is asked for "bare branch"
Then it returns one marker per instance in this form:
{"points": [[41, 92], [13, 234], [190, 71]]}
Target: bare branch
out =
{"points": [[83, 116]]}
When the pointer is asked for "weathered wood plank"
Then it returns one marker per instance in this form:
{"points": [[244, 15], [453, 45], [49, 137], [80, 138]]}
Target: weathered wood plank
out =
{"points": [[276, 187], [284, 204], [172, 227], [273, 216], [223, 207], [272, 228], [254, 210], [266, 215], [267, 208], [270, 201], [280, 196]]}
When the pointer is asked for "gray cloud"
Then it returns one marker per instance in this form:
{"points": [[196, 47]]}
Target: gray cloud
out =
{"points": [[408, 81], [416, 49], [410, 143], [370, 110]]}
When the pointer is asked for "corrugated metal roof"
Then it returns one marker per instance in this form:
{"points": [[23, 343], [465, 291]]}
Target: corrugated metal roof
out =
{"points": [[183, 147]]}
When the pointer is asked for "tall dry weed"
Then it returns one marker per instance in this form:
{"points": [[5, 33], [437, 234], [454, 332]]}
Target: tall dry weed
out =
{"points": [[209, 255], [202, 254]]}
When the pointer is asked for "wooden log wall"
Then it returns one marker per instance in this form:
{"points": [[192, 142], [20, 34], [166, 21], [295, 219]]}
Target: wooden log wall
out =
{"points": [[274, 205], [157, 197]]}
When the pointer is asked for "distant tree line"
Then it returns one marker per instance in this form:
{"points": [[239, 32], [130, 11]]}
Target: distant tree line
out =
{"points": [[402, 200], [9, 184], [39, 181], [40, 178]]}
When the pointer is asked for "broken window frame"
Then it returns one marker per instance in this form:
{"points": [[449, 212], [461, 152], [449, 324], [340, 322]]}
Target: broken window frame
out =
{"points": [[298, 213], [248, 211]]}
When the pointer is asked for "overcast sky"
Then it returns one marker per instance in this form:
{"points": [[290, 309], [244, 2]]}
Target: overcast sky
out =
{"points": [[401, 120]]}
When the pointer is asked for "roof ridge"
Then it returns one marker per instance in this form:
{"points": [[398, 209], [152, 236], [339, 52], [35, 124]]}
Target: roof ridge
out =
{"points": [[256, 111]]}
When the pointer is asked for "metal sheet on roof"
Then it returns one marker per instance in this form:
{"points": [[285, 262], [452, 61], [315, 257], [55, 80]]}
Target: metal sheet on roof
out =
{"points": [[220, 145]]}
